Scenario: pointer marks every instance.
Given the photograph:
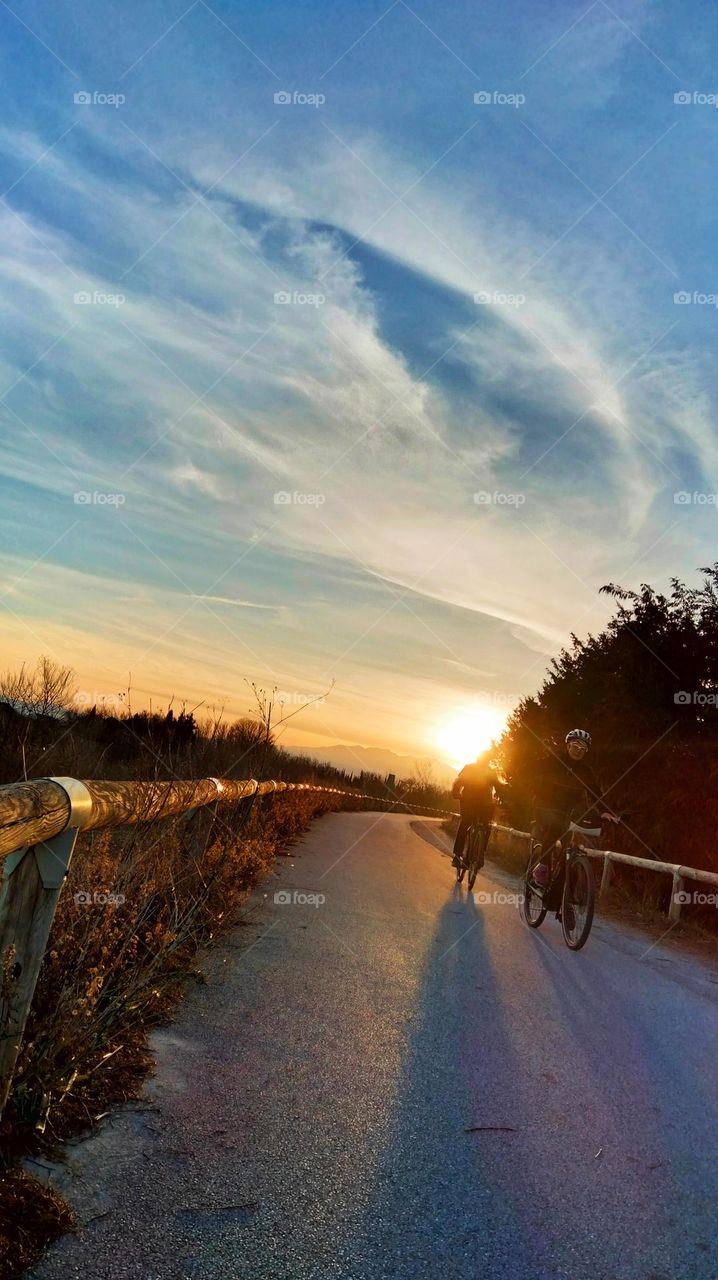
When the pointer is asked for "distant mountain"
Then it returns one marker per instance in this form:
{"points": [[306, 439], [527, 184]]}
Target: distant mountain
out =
{"points": [[375, 760]]}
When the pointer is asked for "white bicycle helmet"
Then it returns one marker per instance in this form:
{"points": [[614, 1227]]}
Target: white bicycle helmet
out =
{"points": [[578, 735]]}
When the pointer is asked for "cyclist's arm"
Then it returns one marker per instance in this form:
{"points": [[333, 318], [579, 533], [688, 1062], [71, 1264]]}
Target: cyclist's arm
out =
{"points": [[548, 775], [500, 788], [458, 786], [595, 792]]}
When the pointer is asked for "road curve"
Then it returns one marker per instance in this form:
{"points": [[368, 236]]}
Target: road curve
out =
{"points": [[400, 1081]]}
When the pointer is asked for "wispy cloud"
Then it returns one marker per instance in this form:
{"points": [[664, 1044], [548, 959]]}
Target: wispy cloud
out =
{"points": [[287, 381]]}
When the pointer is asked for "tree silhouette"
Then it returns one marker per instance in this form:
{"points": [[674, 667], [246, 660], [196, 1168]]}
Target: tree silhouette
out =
{"points": [[647, 690]]}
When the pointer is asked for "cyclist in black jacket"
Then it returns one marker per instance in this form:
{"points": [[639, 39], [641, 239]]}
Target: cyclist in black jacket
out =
{"points": [[474, 787], [566, 790]]}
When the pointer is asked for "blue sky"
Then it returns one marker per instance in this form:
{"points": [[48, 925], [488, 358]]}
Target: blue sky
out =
{"points": [[576, 395]]}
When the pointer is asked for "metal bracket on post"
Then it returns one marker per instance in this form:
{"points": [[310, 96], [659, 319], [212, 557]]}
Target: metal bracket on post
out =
{"points": [[80, 801], [211, 807], [219, 788], [32, 882], [52, 858]]}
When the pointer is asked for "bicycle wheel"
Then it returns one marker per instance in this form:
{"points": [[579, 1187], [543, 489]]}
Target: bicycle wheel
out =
{"points": [[475, 856], [532, 908], [579, 893]]}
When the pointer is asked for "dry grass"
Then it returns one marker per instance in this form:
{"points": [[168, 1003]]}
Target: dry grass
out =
{"points": [[115, 969], [35, 1213]]}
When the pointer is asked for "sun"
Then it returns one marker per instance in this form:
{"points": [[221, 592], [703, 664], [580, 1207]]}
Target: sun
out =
{"points": [[466, 734]]}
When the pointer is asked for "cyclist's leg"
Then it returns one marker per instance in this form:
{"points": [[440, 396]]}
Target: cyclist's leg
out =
{"points": [[549, 826], [566, 837], [484, 823], [464, 823], [580, 838]]}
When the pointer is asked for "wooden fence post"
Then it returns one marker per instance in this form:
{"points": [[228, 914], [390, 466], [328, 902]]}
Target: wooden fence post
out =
{"points": [[32, 880], [674, 911], [606, 877]]}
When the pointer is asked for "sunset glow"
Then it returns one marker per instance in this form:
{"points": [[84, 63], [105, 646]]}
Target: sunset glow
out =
{"points": [[462, 737], [370, 440]]}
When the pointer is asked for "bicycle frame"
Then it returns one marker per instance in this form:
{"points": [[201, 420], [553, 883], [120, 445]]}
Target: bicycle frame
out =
{"points": [[561, 853], [477, 834], [570, 890], [478, 831], [573, 844]]}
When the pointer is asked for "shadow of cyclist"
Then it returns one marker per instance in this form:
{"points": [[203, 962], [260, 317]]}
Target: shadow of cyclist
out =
{"points": [[489, 1162], [446, 1196]]}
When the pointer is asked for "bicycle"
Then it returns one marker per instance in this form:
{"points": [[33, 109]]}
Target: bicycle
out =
{"points": [[473, 859], [571, 890]]}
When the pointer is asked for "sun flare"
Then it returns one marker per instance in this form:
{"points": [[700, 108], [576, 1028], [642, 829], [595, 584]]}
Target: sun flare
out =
{"points": [[463, 736]]}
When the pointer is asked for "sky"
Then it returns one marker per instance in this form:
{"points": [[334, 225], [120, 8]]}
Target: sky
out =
{"points": [[350, 347]]}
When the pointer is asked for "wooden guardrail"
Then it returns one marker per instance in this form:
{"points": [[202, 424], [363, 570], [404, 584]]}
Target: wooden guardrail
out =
{"points": [[679, 896], [39, 825]]}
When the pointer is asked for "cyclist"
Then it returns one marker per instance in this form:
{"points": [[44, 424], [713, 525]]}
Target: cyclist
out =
{"points": [[474, 788], [566, 790]]}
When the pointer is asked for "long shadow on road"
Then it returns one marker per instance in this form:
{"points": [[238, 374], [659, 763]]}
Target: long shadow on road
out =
{"points": [[535, 1135], [436, 1208], [646, 1040], [410, 1083]]}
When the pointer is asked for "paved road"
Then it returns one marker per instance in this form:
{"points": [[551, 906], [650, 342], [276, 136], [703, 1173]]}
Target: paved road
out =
{"points": [[312, 1108]]}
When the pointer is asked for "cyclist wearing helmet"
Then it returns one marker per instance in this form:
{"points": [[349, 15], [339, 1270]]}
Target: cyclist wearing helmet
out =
{"points": [[566, 790], [474, 788]]}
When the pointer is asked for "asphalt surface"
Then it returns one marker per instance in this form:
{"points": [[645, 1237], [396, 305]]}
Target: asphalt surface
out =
{"points": [[404, 1081]]}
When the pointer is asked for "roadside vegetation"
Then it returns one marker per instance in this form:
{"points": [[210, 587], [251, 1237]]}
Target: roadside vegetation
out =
{"points": [[139, 904], [142, 901], [647, 689]]}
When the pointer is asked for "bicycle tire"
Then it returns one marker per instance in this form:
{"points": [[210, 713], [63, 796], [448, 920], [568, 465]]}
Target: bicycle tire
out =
{"points": [[533, 915], [476, 841], [579, 895]]}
